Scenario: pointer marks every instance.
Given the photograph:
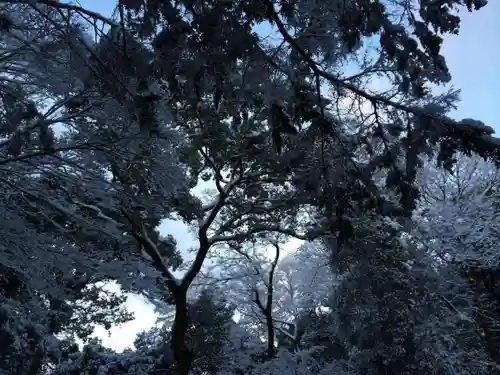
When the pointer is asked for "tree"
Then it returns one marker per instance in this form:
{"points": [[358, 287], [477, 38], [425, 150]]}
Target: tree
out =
{"points": [[44, 282], [210, 328], [273, 292], [203, 111], [95, 359], [465, 196], [393, 312], [170, 100]]}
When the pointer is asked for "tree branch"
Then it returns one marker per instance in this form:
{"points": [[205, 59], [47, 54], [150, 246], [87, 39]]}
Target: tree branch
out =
{"points": [[258, 302], [65, 6], [260, 229], [274, 17], [203, 239], [152, 250], [44, 153], [217, 175]]}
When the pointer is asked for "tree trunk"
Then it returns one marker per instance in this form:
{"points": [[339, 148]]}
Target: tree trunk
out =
{"points": [[270, 335], [182, 355]]}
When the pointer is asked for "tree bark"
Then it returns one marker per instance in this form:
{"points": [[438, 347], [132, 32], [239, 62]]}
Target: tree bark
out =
{"points": [[182, 355], [271, 350]]}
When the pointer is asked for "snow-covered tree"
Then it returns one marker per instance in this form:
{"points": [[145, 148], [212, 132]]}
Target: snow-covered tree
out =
{"points": [[45, 286], [295, 144], [458, 224], [458, 212]]}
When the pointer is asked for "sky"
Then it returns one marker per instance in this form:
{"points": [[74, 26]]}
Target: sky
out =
{"points": [[474, 62]]}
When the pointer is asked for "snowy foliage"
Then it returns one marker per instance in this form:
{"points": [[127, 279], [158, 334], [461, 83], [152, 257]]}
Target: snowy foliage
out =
{"points": [[458, 212], [95, 359], [108, 123]]}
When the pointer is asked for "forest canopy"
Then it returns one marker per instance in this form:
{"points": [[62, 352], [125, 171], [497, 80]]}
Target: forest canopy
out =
{"points": [[324, 121]]}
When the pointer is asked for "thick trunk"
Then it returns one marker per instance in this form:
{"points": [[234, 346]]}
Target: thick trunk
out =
{"points": [[270, 336], [182, 355]]}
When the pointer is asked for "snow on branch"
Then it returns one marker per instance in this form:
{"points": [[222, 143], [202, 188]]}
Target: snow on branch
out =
{"points": [[260, 229], [64, 6], [152, 250], [482, 131]]}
